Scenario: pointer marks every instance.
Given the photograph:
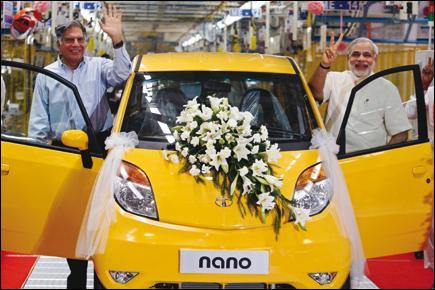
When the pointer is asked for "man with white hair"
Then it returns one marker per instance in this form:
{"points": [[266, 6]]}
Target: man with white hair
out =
{"points": [[377, 116]]}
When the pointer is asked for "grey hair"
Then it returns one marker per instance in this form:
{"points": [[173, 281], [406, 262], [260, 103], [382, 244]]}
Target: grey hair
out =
{"points": [[60, 29], [362, 39]]}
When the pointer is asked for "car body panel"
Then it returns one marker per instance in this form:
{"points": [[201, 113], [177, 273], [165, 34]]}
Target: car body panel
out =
{"points": [[182, 201], [239, 62], [393, 205], [152, 248], [44, 198]]}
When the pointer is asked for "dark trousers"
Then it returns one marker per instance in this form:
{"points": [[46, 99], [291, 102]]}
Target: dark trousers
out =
{"points": [[77, 278]]}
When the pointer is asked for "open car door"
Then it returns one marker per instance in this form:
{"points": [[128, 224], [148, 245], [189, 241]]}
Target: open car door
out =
{"points": [[44, 185], [391, 185]]}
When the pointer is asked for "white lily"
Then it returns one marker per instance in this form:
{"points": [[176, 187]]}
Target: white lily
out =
{"points": [[222, 115], [266, 201], [185, 152], [247, 117], [220, 160], [184, 117], [192, 159], [174, 158], [194, 141], [176, 135], [194, 171], [232, 123], [264, 133], [273, 181], [225, 153], [247, 185], [273, 153], [245, 129], [178, 146], [230, 138], [243, 171], [235, 114], [204, 158], [185, 135], [207, 113], [165, 154], [214, 103], [241, 151], [205, 169], [301, 214], [193, 125], [256, 138], [258, 167]]}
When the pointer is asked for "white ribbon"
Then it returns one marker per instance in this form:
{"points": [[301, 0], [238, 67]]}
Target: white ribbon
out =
{"points": [[100, 212], [325, 142]]}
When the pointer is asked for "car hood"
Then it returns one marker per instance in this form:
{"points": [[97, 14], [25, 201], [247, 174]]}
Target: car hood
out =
{"points": [[181, 200]]}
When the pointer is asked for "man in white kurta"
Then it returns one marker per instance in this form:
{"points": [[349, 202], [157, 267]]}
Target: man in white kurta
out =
{"points": [[377, 117], [377, 112]]}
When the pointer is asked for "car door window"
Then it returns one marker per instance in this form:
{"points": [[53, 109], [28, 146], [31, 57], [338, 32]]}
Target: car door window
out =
{"points": [[382, 112], [39, 107]]}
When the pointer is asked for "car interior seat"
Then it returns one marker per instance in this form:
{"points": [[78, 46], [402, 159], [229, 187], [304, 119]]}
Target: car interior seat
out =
{"points": [[165, 107], [266, 109]]}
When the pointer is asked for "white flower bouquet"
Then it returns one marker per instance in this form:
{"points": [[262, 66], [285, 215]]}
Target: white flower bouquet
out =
{"points": [[216, 139]]}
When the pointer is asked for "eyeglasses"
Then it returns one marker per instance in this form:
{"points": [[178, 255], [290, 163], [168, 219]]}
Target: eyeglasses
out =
{"points": [[365, 54]]}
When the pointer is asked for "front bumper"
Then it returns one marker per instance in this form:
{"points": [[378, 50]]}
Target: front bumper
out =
{"points": [[152, 248]]}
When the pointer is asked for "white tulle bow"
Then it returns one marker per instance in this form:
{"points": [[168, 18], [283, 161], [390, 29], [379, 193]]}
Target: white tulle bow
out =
{"points": [[341, 200], [324, 140], [100, 212], [127, 140]]}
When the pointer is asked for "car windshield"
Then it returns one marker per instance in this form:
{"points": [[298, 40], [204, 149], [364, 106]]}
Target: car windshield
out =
{"points": [[277, 101]]}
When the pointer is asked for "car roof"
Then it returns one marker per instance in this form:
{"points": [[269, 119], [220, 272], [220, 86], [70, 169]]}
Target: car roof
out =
{"points": [[213, 61]]}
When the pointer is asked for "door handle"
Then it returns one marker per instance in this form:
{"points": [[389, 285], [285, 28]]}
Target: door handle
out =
{"points": [[419, 171], [5, 169]]}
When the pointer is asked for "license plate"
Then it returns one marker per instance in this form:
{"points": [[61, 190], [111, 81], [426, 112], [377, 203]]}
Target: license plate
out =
{"points": [[224, 262]]}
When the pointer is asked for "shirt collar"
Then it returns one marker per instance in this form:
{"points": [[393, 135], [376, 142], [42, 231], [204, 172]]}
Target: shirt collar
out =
{"points": [[62, 65], [356, 80]]}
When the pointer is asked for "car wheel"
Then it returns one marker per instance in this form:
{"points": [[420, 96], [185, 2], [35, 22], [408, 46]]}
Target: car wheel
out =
{"points": [[97, 282], [346, 284]]}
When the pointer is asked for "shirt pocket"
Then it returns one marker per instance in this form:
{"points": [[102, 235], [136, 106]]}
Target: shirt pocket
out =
{"points": [[367, 116]]}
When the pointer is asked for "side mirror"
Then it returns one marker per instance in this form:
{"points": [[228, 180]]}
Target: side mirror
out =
{"points": [[78, 139]]}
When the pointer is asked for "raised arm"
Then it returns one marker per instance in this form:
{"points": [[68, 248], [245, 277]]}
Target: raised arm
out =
{"points": [[317, 81], [117, 71], [112, 23]]}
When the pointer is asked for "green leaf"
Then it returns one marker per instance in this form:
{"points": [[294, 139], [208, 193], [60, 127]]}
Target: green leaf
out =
{"points": [[225, 167], [233, 184], [261, 180], [302, 227], [241, 207], [263, 216]]}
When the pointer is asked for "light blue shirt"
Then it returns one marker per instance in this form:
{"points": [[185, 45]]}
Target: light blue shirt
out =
{"points": [[54, 108]]}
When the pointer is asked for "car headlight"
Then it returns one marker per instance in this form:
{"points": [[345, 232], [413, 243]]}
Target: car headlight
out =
{"points": [[313, 190], [133, 191]]}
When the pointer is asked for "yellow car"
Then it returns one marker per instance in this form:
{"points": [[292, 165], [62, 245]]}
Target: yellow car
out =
{"points": [[178, 233]]}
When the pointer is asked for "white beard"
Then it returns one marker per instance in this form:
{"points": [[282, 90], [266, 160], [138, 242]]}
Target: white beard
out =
{"points": [[358, 73]]}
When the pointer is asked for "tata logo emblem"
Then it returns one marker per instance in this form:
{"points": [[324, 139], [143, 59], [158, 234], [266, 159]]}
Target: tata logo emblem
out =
{"points": [[223, 201]]}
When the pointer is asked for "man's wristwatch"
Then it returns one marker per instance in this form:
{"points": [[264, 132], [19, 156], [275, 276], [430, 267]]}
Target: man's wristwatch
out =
{"points": [[118, 45]]}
